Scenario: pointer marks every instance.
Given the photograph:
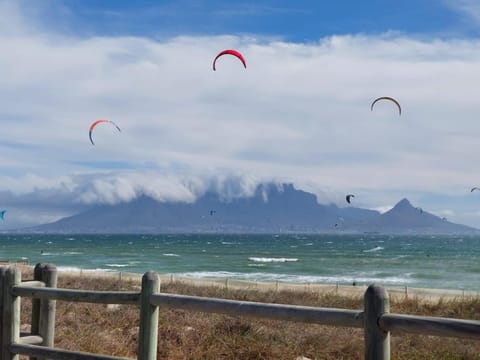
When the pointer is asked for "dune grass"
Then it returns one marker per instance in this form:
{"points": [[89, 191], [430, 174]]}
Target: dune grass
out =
{"points": [[113, 329]]}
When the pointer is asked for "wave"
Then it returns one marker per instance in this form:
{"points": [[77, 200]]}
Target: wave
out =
{"points": [[72, 253], [170, 254], [398, 257], [117, 265], [78, 269], [300, 279], [267, 260], [378, 248]]}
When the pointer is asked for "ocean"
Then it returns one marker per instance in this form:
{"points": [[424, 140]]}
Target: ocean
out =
{"points": [[443, 262]]}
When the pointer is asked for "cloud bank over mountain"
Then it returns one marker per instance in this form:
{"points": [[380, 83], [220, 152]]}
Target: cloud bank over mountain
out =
{"points": [[273, 208], [299, 113]]}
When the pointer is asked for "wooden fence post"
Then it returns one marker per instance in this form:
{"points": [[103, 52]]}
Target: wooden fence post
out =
{"points": [[3, 270], [46, 323], [377, 341], [37, 275], [11, 313], [148, 332]]}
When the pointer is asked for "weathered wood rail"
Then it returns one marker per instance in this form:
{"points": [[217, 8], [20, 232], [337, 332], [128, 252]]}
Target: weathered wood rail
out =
{"points": [[375, 318]]}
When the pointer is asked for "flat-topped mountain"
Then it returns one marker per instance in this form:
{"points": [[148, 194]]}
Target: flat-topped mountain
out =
{"points": [[271, 209]]}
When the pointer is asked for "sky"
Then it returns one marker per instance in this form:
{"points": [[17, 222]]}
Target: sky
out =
{"points": [[299, 113]]}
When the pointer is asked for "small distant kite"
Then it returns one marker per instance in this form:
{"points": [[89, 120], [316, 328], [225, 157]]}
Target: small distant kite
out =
{"points": [[349, 197], [340, 220], [389, 99], [212, 212], [474, 188], [95, 123], [2, 214], [230, 52]]}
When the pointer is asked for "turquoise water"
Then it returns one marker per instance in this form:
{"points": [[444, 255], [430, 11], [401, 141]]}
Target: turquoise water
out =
{"points": [[449, 262]]}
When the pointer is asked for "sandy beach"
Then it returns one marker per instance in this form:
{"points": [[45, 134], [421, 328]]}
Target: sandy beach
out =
{"points": [[397, 293]]}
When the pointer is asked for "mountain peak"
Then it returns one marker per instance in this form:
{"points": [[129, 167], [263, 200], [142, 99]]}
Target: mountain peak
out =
{"points": [[274, 208], [403, 205]]}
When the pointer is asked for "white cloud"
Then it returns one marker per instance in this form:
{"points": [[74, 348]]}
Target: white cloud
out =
{"points": [[299, 113], [471, 8], [383, 209], [447, 212]]}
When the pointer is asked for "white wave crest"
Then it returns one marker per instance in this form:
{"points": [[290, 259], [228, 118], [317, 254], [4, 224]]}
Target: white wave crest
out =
{"points": [[268, 260], [378, 248], [117, 265], [366, 278], [74, 269]]}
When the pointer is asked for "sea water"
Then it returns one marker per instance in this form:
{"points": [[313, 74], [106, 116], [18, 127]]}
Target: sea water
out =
{"points": [[444, 262]]}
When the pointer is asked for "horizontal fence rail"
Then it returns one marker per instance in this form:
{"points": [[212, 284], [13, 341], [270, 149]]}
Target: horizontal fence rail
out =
{"points": [[306, 314], [57, 354], [375, 318], [435, 326], [31, 339], [86, 296]]}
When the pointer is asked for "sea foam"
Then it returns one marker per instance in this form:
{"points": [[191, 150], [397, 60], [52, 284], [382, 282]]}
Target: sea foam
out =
{"points": [[117, 265], [378, 248], [268, 260], [299, 279]]}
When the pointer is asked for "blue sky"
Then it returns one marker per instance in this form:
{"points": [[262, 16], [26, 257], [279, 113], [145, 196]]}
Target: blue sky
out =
{"points": [[299, 113], [300, 20]]}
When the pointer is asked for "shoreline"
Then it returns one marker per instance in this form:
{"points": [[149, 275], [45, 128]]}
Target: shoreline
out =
{"points": [[395, 292]]}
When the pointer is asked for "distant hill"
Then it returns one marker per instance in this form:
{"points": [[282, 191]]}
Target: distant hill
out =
{"points": [[404, 218], [272, 209]]}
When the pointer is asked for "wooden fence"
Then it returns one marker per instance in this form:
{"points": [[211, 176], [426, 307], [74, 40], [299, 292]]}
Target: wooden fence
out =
{"points": [[375, 319]]}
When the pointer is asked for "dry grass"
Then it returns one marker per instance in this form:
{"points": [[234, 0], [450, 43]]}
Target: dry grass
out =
{"points": [[192, 335]]}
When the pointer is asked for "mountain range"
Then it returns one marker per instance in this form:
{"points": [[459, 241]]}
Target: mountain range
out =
{"points": [[271, 209]]}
